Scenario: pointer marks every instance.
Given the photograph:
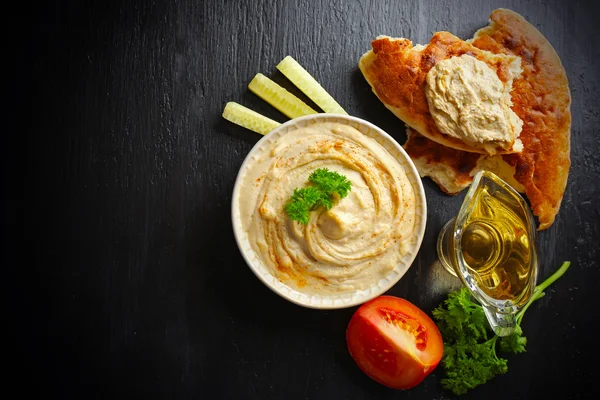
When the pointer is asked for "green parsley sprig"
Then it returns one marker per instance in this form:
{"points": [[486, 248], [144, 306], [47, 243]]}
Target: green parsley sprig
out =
{"points": [[325, 186], [470, 357]]}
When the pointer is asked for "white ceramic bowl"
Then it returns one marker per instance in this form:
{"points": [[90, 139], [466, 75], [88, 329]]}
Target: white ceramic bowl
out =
{"points": [[337, 300]]}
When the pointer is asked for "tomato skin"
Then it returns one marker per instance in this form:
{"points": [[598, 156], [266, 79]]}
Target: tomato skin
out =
{"points": [[394, 342]]}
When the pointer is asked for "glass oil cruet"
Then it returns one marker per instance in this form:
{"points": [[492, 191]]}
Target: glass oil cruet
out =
{"points": [[490, 246]]}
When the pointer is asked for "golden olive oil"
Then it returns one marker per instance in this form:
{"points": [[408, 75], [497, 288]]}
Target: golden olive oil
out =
{"points": [[496, 245]]}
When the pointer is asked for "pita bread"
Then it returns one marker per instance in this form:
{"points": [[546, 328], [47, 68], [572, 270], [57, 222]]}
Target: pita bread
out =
{"points": [[397, 71], [453, 170], [541, 98]]}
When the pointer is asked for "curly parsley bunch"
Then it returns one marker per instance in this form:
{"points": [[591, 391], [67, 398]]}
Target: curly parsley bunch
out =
{"points": [[470, 357]]}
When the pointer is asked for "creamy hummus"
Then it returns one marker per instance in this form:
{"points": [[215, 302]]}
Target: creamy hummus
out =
{"points": [[348, 248], [469, 102]]}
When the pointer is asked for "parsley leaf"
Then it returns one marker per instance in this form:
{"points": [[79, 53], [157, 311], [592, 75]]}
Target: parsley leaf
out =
{"points": [[302, 202], [470, 357], [331, 182], [325, 185], [514, 343]]}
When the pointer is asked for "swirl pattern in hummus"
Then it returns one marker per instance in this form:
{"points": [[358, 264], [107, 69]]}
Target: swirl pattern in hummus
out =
{"points": [[345, 249]]}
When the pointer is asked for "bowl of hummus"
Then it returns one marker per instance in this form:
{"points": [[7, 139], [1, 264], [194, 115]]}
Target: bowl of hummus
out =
{"points": [[340, 256]]}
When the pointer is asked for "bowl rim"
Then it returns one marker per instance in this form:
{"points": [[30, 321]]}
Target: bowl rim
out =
{"points": [[238, 230]]}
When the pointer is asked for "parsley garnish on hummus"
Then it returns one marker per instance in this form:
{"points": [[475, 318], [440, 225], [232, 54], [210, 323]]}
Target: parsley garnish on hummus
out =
{"points": [[325, 185]]}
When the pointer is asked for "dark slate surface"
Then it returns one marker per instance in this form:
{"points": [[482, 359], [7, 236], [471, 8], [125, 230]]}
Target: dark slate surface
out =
{"points": [[133, 282]]}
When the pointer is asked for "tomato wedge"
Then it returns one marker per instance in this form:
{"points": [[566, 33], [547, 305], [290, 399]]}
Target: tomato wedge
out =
{"points": [[394, 342]]}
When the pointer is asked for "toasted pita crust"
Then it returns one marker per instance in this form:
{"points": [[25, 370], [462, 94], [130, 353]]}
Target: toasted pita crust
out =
{"points": [[543, 101], [454, 170], [451, 169], [397, 74], [541, 98]]}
